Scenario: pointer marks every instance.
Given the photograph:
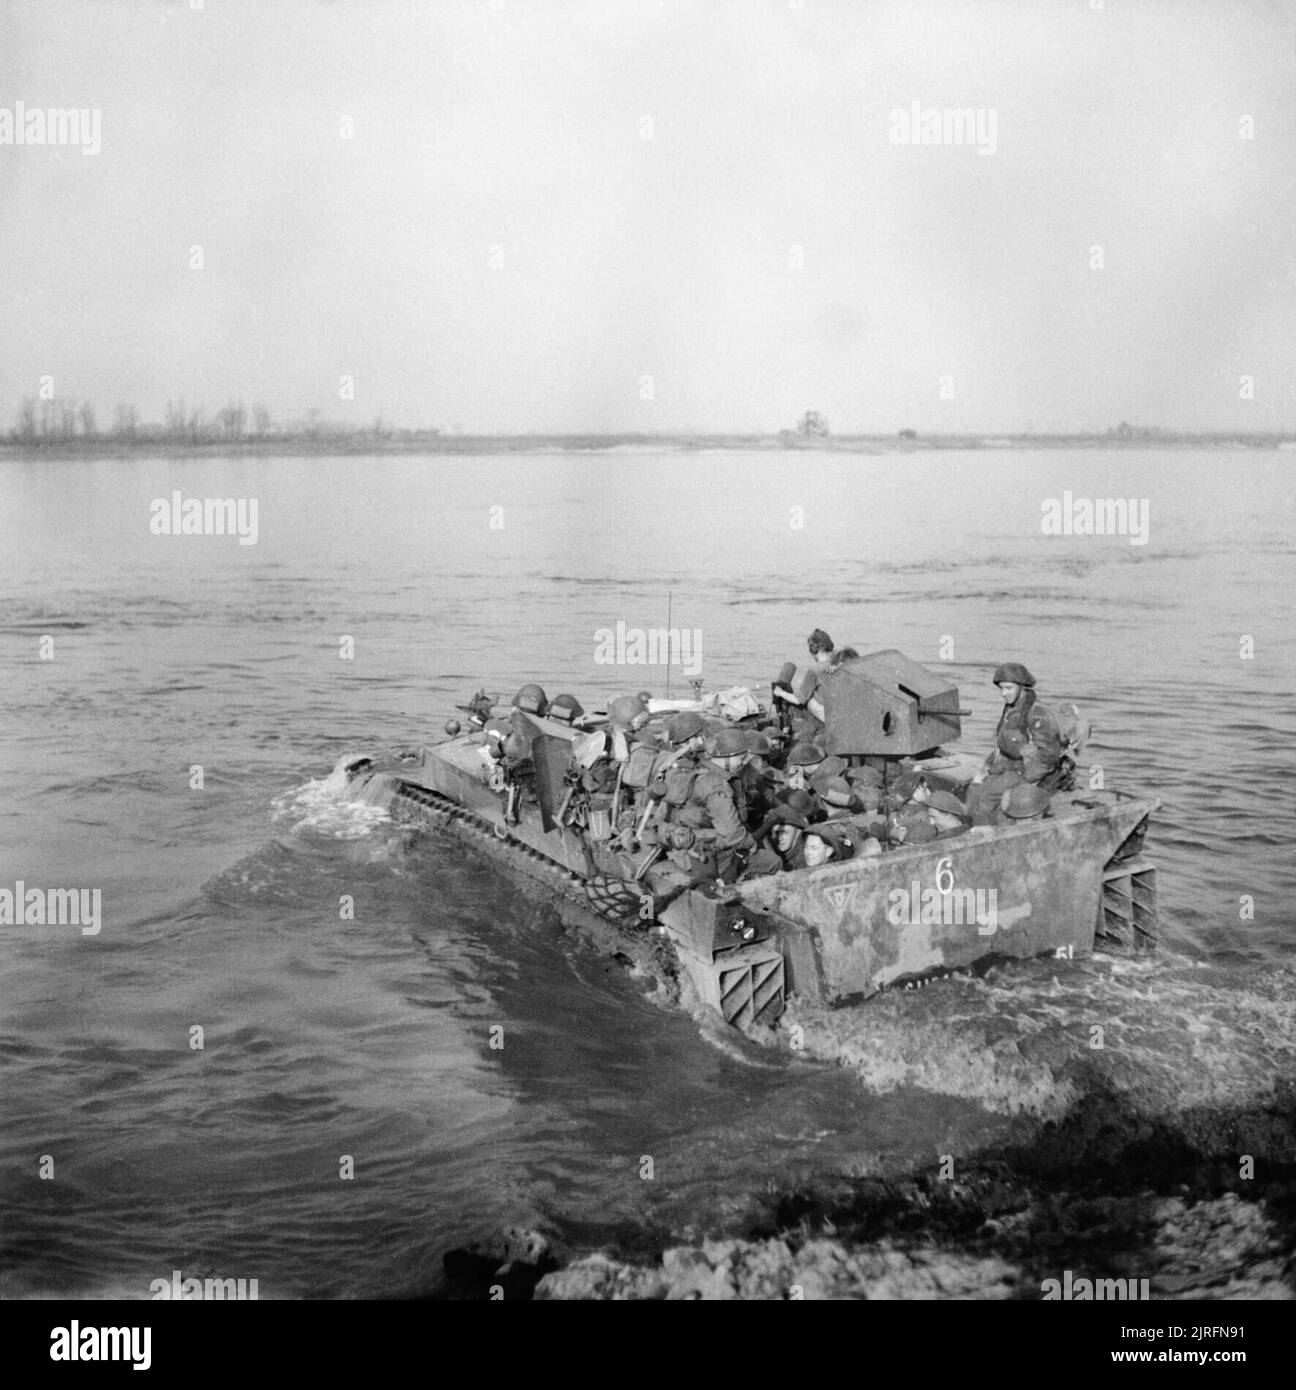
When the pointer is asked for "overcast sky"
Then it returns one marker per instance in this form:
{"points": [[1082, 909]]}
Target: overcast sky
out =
{"points": [[542, 205]]}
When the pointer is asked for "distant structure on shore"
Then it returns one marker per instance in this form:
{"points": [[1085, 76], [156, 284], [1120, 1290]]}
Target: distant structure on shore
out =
{"points": [[1124, 431], [809, 427]]}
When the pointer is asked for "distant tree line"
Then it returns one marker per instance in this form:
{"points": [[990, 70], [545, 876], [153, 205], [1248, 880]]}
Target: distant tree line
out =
{"points": [[48, 421]]}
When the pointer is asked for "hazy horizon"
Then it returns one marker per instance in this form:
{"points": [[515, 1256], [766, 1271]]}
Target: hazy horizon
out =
{"points": [[656, 218]]}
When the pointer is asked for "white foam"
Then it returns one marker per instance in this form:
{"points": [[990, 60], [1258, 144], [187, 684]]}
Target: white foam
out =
{"points": [[323, 807]]}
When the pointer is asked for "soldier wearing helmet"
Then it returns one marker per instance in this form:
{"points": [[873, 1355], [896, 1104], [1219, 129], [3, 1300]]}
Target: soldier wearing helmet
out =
{"points": [[1028, 742], [531, 699], [566, 709], [1023, 714], [712, 801], [756, 780], [830, 841]]}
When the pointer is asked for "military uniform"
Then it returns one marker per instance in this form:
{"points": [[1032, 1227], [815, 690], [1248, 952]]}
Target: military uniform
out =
{"points": [[712, 806], [1041, 752], [1028, 747], [769, 860], [754, 792]]}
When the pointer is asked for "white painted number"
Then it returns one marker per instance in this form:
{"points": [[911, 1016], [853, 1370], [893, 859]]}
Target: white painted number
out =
{"points": [[944, 876]]}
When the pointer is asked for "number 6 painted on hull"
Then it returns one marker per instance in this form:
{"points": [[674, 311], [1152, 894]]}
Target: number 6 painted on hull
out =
{"points": [[944, 876]]}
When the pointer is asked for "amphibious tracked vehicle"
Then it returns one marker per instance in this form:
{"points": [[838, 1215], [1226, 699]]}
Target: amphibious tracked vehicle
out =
{"points": [[835, 934]]}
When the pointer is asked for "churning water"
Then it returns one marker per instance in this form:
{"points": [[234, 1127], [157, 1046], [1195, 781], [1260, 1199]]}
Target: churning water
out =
{"points": [[370, 1037]]}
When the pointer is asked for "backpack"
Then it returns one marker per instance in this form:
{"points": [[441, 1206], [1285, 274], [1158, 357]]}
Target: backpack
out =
{"points": [[639, 766], [1074, 730], [679, 782]]}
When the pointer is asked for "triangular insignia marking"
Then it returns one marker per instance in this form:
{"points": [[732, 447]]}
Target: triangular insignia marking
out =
{"points": [[840, 895]]}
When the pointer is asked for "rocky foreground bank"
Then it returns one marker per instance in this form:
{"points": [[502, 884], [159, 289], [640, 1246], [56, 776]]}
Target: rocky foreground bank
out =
{"points": [[1167, 1153]]}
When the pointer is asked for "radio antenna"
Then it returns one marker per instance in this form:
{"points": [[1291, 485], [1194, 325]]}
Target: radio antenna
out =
{"points": [[670, 595]]}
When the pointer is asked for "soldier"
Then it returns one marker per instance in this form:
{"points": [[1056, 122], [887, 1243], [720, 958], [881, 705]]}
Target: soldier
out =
{"points": [[838, 797], [683, 738], [566, 709], [912, 826], [756, 781], [783, 836], [932, 815], [947, 813], [531, 699], [1028, 743], [1022, 713], [712, 804], [830, 841], [627, 715], [810, 767], [866, 783], [805, 706]]}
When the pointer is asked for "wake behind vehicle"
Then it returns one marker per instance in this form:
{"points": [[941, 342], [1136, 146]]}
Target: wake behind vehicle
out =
{"points": [[833, 935]]}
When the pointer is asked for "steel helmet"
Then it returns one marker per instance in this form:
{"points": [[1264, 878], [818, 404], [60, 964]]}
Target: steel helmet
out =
{"points": [[841, 838], [1026, 800], [1015, 672], [802, 802], [730, 743], [625, 709], [947, 802], [565, 708], [838, 793], [805, 755], [531, 699], [685, 726]]}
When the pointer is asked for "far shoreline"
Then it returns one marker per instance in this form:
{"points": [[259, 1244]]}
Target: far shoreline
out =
{"points": [[397, 443]]}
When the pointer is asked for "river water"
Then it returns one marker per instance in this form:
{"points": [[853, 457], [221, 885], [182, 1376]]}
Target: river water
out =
{"points": [[325, 1038]]}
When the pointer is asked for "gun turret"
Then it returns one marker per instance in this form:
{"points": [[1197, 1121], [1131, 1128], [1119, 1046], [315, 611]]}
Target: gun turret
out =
{"points": [[886, 705]]}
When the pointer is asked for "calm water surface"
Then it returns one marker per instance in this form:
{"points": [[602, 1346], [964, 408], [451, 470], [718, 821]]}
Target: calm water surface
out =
{"points": [[370, 1038]]}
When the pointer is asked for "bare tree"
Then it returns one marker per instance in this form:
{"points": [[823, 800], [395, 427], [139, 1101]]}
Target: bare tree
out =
{"points": [[87, 414], [260, 419], [233, 421], [125, 421], [27, 420]]}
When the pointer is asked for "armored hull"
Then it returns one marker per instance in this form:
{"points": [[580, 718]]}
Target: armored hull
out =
{"points": [[833, 935]]}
